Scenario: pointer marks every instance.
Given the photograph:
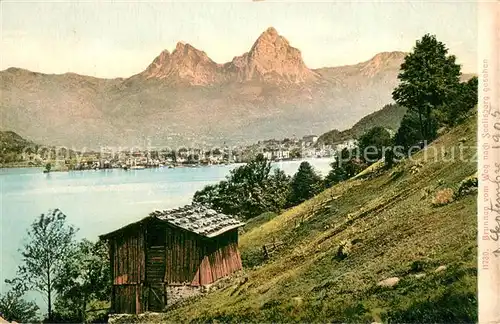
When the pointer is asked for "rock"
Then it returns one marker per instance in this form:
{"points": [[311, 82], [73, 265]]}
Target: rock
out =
{"points": [[389, 282], [440, 268], [419, 275]]}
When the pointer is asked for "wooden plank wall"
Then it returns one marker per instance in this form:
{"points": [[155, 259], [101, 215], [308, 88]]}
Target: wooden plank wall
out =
{"points": [[129, 260], [193, 260], [128, 271], [221, 258], [182, 256], [125, 299]]}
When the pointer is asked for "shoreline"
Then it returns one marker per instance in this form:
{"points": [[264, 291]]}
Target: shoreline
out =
{"points": [[55, 169]]}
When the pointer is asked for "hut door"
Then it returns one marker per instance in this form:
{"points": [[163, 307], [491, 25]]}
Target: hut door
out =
{"points": [[156, 298], [155, 268]]}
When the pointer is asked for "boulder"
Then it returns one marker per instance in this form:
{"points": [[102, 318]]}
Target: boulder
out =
{"points": [[389, 282]]}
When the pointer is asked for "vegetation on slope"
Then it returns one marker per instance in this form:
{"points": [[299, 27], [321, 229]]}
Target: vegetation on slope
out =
{"points": [[392, 228], [389, 117], [12, 147]]}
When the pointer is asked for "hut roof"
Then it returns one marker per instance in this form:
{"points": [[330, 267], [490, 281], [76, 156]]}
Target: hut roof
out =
{"points": [[193, 218]]}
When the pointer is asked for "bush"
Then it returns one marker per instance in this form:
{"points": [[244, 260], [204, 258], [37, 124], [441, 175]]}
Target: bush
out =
{"points": [[467, 186], [343, 250], [443, 197], [252, 258]]}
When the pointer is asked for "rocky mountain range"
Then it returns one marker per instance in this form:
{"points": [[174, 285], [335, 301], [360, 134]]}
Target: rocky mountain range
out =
{"points": [[185, 98]]}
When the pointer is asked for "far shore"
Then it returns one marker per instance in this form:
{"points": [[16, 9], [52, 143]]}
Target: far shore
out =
{"points": [[171, 166]]}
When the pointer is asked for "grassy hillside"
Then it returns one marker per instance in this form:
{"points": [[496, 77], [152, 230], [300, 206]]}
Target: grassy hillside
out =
{"points": [[389, 117], [394, 231]]}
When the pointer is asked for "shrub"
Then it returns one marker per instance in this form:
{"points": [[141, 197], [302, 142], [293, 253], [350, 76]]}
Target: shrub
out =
{"points": [[417, 266], [467, 186], [415, 168], [343, 250], [443, 197], [252, 258]]}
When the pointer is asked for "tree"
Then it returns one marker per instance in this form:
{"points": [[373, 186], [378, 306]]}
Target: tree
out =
{"points": [[373, 144], [348, 163], [85, 278], [295, 153], [248, 191], [14, 308], [337, 174], [428, 79], [304, 185], [455, 111], [50, 242], [278, 190], [48, 167]]}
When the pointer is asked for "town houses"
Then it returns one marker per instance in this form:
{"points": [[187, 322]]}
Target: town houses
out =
{"points": [[273, 149]]}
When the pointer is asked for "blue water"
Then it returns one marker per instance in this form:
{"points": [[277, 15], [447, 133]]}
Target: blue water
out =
{"points": [[98, 202]]}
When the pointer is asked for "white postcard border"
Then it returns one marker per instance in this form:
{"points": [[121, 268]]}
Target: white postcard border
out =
{"points": [[489, 162]]}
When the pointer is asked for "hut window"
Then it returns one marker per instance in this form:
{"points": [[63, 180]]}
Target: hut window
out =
{"points": [[156, 236]]}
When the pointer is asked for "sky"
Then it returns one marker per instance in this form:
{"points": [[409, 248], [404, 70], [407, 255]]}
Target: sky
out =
{"points": [[119, 39]]}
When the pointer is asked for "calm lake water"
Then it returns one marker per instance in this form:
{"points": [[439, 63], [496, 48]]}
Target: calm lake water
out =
{"points": [[98, 202]]}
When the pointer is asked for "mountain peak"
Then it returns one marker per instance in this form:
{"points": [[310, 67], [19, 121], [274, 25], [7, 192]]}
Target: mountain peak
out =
{"points": [[272, 59], [185, 47], [271, 31], [185, 65], [383, 56], [382, 62], [180, 45], [270, 37]]}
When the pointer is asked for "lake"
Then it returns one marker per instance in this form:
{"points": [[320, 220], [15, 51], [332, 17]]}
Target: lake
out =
{"points": [[100, 201]]}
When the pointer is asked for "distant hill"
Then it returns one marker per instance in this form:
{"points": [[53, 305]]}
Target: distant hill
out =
{"points": [[12, 146], [389, 117]]}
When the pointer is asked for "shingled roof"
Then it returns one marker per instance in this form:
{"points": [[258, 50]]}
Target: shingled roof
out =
{"points": [[193, 218], [198, 219]]}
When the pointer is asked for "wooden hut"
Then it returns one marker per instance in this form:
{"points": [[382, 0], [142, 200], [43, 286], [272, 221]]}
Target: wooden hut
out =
{"points": [[170, 255]]}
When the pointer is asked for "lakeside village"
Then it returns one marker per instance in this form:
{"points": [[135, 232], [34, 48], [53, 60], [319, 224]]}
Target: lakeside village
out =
{"points": [[274, 150]]}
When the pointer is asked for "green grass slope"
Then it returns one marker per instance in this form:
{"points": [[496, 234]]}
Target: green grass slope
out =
{"points": [[394, 231]]}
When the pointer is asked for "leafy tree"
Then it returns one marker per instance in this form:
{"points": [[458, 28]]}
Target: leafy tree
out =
{"points": [[86, 278], [428, 79], [408, 133], [347, 165], [304, 185], [337, 174], [373, 143], [49, 245], [465, 98], [48, 167], [295, 153], [248, 191], [14, 308], [278, 190]]}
